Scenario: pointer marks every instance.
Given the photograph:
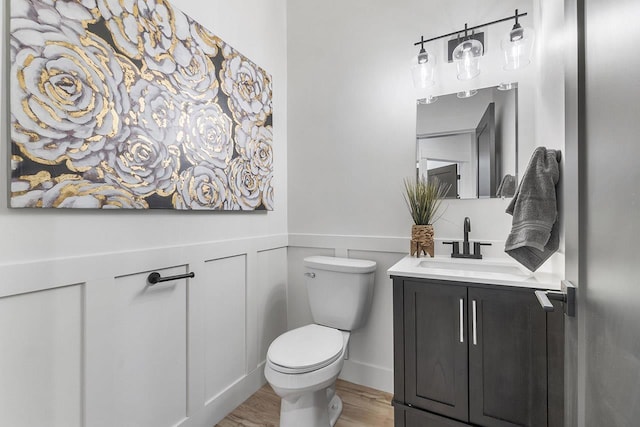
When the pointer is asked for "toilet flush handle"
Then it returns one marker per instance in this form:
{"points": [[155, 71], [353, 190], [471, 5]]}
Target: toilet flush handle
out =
{"points": [[312, 275]]}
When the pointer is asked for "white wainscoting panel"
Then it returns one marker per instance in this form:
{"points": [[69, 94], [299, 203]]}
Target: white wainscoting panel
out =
{"points": [[86, 342], [41, 343], [272, 297], [372, 345], [150, 375], [298, 310], [224, 284]]}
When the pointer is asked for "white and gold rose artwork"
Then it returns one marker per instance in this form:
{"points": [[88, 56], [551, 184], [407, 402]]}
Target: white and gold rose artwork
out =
{"points": [[132, 104]]}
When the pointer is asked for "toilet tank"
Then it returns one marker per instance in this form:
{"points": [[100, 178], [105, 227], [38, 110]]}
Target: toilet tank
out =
{"points": [[340, 290]]}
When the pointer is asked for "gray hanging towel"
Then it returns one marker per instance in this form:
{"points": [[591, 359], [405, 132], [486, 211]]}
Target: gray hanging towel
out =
{"points": [[507, 187], [534, 233]]}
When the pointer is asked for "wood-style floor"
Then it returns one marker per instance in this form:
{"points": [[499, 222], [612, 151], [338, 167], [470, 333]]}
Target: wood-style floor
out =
{"points": [[362, 407]]}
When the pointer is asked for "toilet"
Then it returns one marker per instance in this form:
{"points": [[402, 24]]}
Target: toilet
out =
{"points": [[303, 364]]}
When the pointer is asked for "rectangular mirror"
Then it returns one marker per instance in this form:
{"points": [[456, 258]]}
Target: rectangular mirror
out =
{"points": [[470, 143]]}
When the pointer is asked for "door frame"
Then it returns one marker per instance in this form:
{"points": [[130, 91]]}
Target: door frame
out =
{"points": [[571, 194], [486, 124]]}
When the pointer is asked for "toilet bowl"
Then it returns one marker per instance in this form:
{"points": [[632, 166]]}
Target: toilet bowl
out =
{"points": [[302, 367], [303, 364]]}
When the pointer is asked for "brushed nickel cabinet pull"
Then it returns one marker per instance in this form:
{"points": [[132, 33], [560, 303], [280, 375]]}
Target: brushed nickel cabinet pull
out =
{"points": [[461, 319], [475, 326]]}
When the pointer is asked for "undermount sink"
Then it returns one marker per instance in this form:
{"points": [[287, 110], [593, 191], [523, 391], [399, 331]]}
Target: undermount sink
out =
{"points": [[490, 271], [479, 267], [475, 268]]}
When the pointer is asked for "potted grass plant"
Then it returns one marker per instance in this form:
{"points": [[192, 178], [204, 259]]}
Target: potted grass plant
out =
{"points": [[423, 199]]}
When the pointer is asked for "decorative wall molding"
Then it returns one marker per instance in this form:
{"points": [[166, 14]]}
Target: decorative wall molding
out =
{"points": [[55, 272], [221, 313], [378, 377], [367, 243]]}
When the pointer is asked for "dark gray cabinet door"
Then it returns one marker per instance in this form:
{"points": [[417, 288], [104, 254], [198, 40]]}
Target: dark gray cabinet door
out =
{"points": [[436, 348], [507, 359]]}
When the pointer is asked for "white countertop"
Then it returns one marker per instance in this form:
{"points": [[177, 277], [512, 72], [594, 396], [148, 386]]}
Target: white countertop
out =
{"points": [[492, 271]]}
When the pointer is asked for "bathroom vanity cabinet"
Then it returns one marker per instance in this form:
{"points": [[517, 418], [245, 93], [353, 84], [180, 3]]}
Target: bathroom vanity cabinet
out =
{"points": [[468, 354]]}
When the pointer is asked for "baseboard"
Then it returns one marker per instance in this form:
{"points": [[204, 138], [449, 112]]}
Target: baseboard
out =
{"points": [[368, 375]]}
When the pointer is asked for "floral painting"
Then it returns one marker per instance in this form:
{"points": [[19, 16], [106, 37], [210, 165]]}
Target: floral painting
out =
{"points": [[132, 104]]}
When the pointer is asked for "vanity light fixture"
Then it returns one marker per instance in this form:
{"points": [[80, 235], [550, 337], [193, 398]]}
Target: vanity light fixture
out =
{"points": [[467, 50]]}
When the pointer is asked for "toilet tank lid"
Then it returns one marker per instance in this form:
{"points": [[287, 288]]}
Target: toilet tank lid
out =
{"points": [[343, 265]]}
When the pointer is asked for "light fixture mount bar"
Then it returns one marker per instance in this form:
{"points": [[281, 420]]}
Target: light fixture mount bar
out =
{"points": [[421, 42], [466, 29]]}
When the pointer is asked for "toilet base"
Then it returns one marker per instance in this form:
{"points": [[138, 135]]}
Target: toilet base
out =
{"points": [[320, 408], [335, 409]]}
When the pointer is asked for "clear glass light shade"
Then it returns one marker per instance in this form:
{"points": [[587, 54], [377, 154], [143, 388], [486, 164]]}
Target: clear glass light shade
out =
{"points": [[422, 70], [517, 47], [467, 58]]}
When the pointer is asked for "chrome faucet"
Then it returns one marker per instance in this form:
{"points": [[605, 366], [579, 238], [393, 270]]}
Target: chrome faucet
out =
{"points": [[466, 252]]}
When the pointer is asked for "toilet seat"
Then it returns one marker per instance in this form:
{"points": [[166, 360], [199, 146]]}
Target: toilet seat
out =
{"points": [[305, 349]]}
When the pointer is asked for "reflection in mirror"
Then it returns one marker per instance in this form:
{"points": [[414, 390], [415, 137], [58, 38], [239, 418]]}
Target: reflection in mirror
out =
{"points": [[470, 143]]}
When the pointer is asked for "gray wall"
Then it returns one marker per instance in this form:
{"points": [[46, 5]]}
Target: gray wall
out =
{"points": [[571, 193], [610, 209], [603, 351]]}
